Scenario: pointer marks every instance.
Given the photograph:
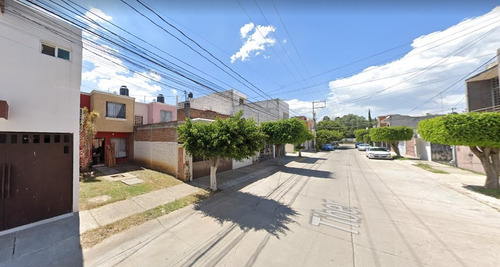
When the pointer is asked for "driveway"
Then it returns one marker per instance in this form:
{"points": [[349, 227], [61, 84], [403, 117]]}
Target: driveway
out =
{"points": [[330, 209]]}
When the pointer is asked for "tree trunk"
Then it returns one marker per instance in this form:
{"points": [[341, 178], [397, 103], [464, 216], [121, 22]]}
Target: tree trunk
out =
{"points": [[489, 158], [396, 148], [300, 154], [213, 172], [278, 151]]}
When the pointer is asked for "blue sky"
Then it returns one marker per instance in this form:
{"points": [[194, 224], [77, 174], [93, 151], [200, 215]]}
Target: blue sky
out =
{"points": [[389, 57]]}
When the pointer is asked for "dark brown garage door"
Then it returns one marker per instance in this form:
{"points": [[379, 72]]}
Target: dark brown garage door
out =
{"points": [[36, 177]]}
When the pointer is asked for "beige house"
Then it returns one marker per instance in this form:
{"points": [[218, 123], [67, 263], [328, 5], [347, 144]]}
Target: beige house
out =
{"points": [[114, 125]]}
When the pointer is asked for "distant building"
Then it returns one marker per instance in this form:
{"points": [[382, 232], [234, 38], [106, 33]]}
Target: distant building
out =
{"points": [[231, 101], [40, 66]]}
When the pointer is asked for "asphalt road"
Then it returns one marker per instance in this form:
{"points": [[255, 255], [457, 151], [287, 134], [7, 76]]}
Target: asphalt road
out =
{"points": [[330, 209]]}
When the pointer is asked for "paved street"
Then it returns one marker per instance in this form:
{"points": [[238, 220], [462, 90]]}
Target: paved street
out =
{"points": [[330, 209]]}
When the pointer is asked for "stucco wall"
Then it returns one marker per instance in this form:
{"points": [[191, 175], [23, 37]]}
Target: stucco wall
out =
{"points": [[155, 111], [467, 160], [161, 156], [104, 124], [42, 91], [141, 109], [239, 164]]}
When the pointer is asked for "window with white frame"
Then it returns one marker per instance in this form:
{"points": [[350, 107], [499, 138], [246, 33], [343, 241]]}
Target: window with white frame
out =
{"points": [[115, 110], [54, 51], [120, 147], [165, 115]]}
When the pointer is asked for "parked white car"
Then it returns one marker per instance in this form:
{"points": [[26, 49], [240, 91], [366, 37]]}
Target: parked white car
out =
{"points": [[363, 147], [378, 153]]}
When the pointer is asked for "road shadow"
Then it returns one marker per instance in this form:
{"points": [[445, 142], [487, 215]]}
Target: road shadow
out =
{"points": [[55, 243], [249, 212], [307, 172], [309, 160]]}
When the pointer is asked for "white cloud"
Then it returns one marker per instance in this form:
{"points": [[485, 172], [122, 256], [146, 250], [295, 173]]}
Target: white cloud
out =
{"points": [[97, 15], [436, 61], [108, 73], [246, 29], [256, 40], [300, 107], [94, 15], [174, 92]]}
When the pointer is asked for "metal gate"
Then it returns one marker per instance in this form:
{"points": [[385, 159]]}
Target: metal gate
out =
{"points": [[36, 177], [441, 153]]}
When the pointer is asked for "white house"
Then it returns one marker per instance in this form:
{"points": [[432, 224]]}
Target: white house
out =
{"points": [[40, 66], [231, 101]]}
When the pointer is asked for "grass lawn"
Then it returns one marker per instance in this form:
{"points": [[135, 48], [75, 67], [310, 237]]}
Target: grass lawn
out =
{"points": [[116, 191], [430, 168], [489, 192]]}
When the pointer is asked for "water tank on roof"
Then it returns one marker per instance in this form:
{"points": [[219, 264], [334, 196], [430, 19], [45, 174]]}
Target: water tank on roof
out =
{"points": [[160, 98], [124, 90]]}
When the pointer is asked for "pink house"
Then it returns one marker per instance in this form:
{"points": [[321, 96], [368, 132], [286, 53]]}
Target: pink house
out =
{"points": [[154, 112]]}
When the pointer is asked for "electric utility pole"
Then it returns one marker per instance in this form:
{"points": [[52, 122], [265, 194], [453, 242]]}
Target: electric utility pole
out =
{"points": [[314, 116]]}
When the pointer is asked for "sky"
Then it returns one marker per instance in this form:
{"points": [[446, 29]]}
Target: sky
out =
{"points": [[389, 57]]}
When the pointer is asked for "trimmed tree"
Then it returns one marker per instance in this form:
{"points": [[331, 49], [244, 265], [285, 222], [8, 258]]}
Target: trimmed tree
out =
{"points": [[87, 133], [391, 135], [363, 135], [328, 136], [479, 131], [232, 138], [290, 131]]}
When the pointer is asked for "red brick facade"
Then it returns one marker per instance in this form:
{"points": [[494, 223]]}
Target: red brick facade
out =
{"points": [[161, 132]]}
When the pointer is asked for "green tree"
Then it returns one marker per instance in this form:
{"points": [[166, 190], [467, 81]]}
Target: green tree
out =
{"points": [[233, 138], [87, 133], [363, 135], [391, 135], [326, 118], [328, 136], [290, 131], [352, 122], [330, 125], [479, 131]]}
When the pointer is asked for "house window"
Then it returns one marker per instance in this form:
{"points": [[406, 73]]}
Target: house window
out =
{"points": [[496, 92], [165, 116], [61, 53], [54, 51], [138, 120], [120, 147], [48, 50], [115, 110]]}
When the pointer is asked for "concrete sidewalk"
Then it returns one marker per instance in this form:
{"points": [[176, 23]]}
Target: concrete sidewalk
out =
{"points": [[458, 180], [56, 242]]}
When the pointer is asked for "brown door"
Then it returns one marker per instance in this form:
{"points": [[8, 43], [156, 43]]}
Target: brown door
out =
{"points": [[3, 177], [41, 177]]}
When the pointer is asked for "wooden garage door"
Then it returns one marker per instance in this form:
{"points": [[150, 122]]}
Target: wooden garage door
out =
{"points": [[36, 177]]}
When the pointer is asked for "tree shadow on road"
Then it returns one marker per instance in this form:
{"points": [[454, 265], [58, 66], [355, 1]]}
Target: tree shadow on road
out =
{"points": [[308, 172], [249, 212]]}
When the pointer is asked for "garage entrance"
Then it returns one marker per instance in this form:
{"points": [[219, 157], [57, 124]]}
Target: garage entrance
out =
{"points": [[36, 177]]}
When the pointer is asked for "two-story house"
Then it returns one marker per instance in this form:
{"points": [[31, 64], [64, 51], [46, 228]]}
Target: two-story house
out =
{"points": [[40, 66], [154, 112], [114, 125], [229, 102], [483, 95]]}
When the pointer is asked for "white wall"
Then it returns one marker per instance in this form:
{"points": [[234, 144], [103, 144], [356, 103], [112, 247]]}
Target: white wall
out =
{"points": [[240, 164], [42, 91], [158, 155]]}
